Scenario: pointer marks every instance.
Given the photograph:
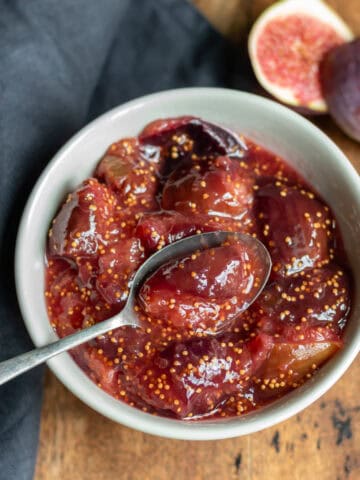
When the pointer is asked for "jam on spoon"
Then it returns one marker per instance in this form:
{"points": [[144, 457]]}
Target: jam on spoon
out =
{"points": [[254, 272]]}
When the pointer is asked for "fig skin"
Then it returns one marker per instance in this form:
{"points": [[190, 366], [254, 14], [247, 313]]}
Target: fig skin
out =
{"points": [[340, 82], [301, 110]]}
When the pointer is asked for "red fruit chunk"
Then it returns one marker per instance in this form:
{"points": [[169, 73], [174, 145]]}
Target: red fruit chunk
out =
{"points": [[260, 347], [205, 291], [64, 299], [318, 298], [131, 170], [196, 376], [116, 269], [289, 365], [266, 166], [161, 228], [300, 359], [164, 127], [309, 334], [73, 304], [192, 135], [80, 226], [87, 270], [118, 229], [99, 369], [216, 187], [295, 226]]}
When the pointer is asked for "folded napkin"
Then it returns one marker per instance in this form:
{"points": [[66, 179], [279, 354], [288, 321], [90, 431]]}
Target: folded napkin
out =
{"points": [[63, 63]]}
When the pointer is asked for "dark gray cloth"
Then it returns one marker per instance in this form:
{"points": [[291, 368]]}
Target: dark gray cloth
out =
{"points": [[61, 64]]}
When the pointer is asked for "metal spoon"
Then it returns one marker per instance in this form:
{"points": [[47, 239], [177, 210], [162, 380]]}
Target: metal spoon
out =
{"points": [[127, 317]]}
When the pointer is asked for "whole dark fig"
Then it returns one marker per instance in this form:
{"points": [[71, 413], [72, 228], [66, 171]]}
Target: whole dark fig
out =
{"points": [[340, 82]]}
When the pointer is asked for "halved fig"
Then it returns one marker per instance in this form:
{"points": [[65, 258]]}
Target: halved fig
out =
{"points": [[295, 226], [205, 291], [186, 136], [213, 187], [286, 45], [81, 225], [340, 81]]}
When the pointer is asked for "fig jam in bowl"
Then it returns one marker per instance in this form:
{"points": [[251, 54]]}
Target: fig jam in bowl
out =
{"points": [[119, 191]]}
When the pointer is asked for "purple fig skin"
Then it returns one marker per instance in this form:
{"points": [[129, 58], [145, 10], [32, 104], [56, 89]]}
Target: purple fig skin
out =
{"points": [[340, 82]]}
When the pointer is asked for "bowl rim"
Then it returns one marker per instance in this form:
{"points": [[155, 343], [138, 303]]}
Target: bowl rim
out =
{"points": [[276, 412]]}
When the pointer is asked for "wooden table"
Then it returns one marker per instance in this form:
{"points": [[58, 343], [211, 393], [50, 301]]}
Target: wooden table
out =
{"points": [[322, 443]]}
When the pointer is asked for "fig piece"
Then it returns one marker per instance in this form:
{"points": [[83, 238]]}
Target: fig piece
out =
{"points": [[130, 171], [192, 135], [196, 376], [80, 227], [295, 226], [301, 359], [117, 266], [99, 369], [319, 298], [157, 229], [286, 45], [64, 298], [215, 187], [340, 81], [204, 292]]}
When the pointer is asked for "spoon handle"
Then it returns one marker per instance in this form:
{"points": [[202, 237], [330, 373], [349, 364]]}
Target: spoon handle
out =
{"points": [[22, 363]]}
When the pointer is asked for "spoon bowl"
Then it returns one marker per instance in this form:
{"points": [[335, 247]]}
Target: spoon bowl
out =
{"points": [[128, 317]]}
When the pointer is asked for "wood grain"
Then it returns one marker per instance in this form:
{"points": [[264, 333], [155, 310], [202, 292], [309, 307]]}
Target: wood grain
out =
{"points": [[321, 443]]}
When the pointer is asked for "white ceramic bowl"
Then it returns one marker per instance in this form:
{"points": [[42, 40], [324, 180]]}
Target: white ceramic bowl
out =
{"points": [[268, 123]]}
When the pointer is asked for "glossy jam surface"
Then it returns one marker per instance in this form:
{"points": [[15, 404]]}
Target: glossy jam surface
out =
{"points": [[202, 353], [206, 291]]}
